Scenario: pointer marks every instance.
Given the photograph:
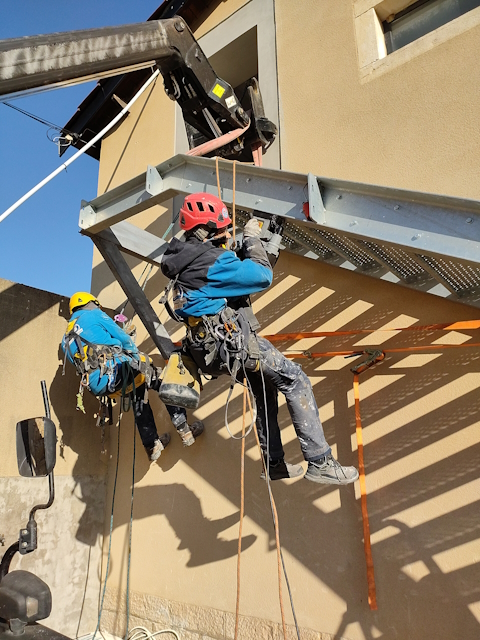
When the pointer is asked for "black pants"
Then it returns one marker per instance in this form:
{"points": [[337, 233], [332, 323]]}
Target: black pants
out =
{"points": [[145, 421]]}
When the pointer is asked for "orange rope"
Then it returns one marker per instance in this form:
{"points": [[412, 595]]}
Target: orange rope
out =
{"points": [[218, 178], [242, 507], [233, 205], [372, 595], [276, 527]]}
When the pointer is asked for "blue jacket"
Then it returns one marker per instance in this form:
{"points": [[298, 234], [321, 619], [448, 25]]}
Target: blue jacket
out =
{"points": [[95, 326], [211, 277]]}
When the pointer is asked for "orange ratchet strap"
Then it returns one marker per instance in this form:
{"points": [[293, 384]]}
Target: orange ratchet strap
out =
{"points": [[446, 326], [372, 593]]}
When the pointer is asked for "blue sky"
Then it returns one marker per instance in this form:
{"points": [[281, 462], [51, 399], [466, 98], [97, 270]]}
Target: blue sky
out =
{"points": [[40, 245]]}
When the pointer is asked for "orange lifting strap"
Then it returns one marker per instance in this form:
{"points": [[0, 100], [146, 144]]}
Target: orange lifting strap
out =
{"points": [[465, 325], [372, 592]]}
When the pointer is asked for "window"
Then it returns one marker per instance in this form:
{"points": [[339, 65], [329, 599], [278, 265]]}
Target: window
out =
{"points": [[421, 18], [386, 27]]}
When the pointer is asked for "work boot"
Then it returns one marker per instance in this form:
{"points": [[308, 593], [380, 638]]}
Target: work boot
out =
{"points": [[190, 433], [327, 470], [159, 444], [280, 469]]}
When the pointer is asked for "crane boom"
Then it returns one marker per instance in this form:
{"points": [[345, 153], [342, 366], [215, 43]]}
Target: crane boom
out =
{"points": [[209, 104]]}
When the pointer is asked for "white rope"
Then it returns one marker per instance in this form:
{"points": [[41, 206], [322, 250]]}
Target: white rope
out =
{"points": [[141, 633], [81, 151]]}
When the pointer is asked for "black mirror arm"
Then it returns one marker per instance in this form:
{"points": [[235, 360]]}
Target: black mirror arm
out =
{"points": [[7, 558], [51, 497], [28, 536]]}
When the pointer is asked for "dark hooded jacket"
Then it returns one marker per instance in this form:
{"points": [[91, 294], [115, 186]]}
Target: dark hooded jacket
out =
{"points": [[209, 278]]}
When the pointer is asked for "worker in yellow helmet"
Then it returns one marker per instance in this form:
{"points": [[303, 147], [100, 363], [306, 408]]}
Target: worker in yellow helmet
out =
{"points": [[110, 364]]}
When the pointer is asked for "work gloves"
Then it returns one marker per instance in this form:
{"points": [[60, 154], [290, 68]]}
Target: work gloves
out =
{"points": [[252, 229]]}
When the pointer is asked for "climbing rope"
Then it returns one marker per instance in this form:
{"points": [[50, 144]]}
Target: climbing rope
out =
{"points": [[111, 530], [233, 206], [242, 507], [266, 468]]}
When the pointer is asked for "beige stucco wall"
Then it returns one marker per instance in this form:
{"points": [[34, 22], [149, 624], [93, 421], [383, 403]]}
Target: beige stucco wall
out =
{"points": [[413, 127], [70, 533]]}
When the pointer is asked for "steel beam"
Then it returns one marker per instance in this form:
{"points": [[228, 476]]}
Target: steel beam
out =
{"points": [[417, 222], [135, 241], [137, 298]]}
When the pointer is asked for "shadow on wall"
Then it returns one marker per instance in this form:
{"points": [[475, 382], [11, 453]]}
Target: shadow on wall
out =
{"points": [[201, 540], [422, 446]]}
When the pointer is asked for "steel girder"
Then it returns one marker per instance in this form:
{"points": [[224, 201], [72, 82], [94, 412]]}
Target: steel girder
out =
{"points": [[417, 239]]}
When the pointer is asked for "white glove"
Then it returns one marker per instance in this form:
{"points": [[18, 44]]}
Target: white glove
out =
{"points": [[252, 229]]}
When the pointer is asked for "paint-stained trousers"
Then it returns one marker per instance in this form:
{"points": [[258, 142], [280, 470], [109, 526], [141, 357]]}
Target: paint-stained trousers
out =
{"points": [[277, 373]]}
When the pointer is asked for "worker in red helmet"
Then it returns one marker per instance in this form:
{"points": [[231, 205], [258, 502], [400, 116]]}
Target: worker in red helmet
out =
{"points": [[211, 288]]}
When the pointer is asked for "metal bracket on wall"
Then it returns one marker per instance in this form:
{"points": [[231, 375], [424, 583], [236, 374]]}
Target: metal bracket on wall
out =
{"points": [[316, 208], [154, 181]]}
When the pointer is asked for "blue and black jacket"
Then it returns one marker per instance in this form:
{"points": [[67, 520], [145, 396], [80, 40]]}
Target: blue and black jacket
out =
{"points": [[95, 326], [212, 277]]}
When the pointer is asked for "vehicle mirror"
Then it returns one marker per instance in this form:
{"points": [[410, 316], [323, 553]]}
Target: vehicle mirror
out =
{"points": [[36, 447]]}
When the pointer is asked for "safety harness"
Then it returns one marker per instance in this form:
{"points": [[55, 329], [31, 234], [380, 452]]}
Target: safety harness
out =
{"points": [[90, 357]]}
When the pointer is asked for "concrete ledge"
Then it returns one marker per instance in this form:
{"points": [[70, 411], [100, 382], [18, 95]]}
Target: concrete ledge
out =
{"points": [[193, 622]]}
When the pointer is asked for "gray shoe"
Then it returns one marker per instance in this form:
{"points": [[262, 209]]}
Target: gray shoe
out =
{"points": [[189, 434], [281, 469], [159, 445], [330, 471]]}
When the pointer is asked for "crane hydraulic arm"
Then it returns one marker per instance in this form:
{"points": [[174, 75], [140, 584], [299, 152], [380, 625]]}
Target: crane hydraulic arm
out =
{"points": [[209, 104]]}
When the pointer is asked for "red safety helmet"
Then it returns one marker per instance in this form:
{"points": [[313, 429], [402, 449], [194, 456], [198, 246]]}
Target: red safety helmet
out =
{"points": [[203, 209]]}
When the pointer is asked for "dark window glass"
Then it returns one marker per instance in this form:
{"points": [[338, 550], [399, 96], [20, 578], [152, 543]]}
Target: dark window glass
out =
{"points": [[422, 17]]}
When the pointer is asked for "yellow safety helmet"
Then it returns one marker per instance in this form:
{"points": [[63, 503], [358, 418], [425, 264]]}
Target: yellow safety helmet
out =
{"points": [[81, 298]]}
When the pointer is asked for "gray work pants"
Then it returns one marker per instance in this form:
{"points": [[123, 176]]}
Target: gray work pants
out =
{"points": [[281, 374]]}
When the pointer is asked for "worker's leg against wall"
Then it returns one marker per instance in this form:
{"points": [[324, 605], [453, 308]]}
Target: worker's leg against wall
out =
{"points": [[144, 418], [267, 417], [178, 416], [289, 378]]}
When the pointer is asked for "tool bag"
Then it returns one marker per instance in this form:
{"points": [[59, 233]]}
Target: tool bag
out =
{"points": [[180, 382]]}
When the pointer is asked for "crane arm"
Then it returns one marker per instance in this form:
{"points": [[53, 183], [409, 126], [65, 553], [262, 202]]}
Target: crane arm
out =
{"points": [[209, 104]]}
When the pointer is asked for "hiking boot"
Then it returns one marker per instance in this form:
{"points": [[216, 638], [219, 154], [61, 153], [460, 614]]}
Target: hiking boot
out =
{"points": [[189, 434], [159, 444], [329, 471], [280, 469]]}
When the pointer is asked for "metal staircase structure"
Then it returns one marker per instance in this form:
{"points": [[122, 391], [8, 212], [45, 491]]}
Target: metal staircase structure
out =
{"points": [[422, 241]]}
